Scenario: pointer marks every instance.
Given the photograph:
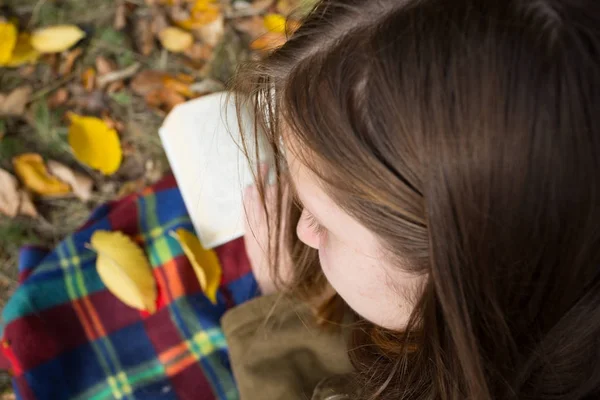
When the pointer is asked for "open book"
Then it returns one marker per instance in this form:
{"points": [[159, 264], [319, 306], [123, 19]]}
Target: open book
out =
{"points": [[202, 142]]}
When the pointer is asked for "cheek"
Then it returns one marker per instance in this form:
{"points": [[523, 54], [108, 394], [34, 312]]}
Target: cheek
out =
{"points": [[364, 285]]}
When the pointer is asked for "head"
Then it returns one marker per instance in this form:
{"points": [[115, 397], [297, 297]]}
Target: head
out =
{"points": [[445, 158]]}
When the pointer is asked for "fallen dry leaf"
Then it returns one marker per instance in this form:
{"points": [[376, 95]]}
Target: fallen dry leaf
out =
{"points": [[13, 103], [199, 52], [212, 32], [94, 144], [253, 26], [181, 86], [207, 86], [175, 40], [56, 39], [112, 123], [164, 100], [59, 98], [66, 67], [88, 79], [105, 66], [131, 187], [8, 40], [205, 263], [124, 269], [26, 71], [9, 194], [26, 206], [148, 81], [144, 38], [159, 21], [82, 101], [286, 7], [23, 52], [31, 170], [202, 12], [80, 184], [262, 5], [115, 87], [120, 15]]}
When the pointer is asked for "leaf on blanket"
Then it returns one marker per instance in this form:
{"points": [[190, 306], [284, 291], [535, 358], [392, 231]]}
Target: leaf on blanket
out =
{"points": [[30, 168], [124, 269], [95, 144], [205, 262]]}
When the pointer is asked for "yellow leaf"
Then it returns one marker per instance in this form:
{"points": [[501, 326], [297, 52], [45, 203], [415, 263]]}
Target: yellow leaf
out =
{"points": [[203, 12], [30, 168], [95, 144], [275, 23], [124, 269], [8, 40], [205, 262], [56, 39], [23, 53], [175, 40]]}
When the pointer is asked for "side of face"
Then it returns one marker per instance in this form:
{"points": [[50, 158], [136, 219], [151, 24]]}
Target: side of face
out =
{"points": [[350, 255]]}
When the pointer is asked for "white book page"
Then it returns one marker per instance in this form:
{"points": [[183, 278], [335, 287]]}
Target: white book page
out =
{"points": [[201, 139]]}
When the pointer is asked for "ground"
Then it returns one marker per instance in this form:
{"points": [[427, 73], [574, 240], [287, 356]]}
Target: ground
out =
{"points": [[42, 127]]}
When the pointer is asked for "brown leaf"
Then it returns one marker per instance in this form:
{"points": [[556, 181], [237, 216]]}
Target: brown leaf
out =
{"points": [[91, 103], [207, 86], [88, 79], [199, 52], [112, 123], [286, 7], [26, 71], [131, 187], [115, 87], [253, 26], [105, 66], [9, 194], [68, 61], [159, 20], [164, 100], [148, 81], [26, 206], [120, 15], [262, 5], [81, 184], [144, 38], [213, 32], [179, 85], [13, 103], [59, 98]]}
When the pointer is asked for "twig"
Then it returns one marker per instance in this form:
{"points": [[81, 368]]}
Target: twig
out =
{"points": [[35, 12], [119, 50], [54, 85], [7, 279], [118, 75]]}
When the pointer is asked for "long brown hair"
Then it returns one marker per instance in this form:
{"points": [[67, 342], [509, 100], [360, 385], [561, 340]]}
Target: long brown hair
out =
{"points": [[465, 134]]}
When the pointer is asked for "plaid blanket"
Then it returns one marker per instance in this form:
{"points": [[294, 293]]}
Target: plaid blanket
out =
{"points": [[65, 336]]}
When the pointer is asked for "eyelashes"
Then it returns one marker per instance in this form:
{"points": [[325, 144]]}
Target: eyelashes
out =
{"points": [[313, 224]]}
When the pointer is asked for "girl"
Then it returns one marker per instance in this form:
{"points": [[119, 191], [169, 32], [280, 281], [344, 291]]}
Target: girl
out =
{"points": [[443, 164]]}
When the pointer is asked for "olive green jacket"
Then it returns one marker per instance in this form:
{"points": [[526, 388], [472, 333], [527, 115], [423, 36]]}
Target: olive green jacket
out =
{"points": [[278, 352]]}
